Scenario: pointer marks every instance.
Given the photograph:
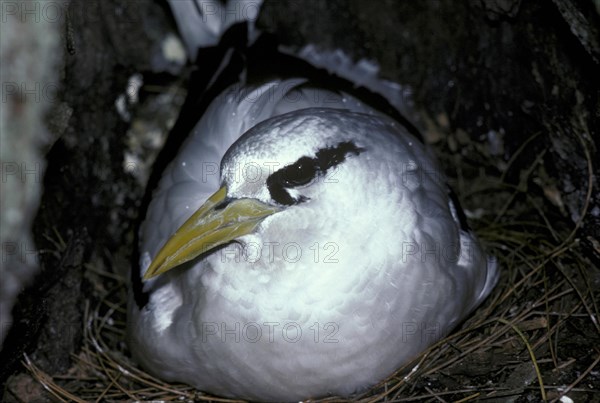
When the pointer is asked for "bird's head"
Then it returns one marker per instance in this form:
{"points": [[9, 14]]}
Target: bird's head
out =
{"points": [[309, 160]]}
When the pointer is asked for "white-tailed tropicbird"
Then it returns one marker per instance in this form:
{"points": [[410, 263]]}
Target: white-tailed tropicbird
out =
{"points": [[300, 244]]}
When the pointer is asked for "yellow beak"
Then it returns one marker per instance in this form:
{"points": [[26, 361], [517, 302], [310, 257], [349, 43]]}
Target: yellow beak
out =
{"points": [[209, 227]]}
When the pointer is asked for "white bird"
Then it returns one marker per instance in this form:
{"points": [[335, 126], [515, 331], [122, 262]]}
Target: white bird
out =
{"points": [[300, 244]]}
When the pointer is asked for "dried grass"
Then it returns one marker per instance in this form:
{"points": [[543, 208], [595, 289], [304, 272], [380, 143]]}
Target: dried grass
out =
{"points": [[536, 336]]}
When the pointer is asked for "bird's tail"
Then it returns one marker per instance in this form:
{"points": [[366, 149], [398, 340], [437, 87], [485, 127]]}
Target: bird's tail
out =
{"points": [[202, 23]]}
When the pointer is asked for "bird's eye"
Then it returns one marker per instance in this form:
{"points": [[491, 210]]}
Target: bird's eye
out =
{"points": [[300, 173], [306, 169]]}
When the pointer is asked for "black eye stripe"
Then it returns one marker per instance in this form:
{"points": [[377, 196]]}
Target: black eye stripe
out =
{"points": [[332, 156], [306, 169]]}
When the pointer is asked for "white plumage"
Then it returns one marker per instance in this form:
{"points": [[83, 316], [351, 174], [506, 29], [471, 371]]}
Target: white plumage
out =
{"points": [[337, 283]]}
